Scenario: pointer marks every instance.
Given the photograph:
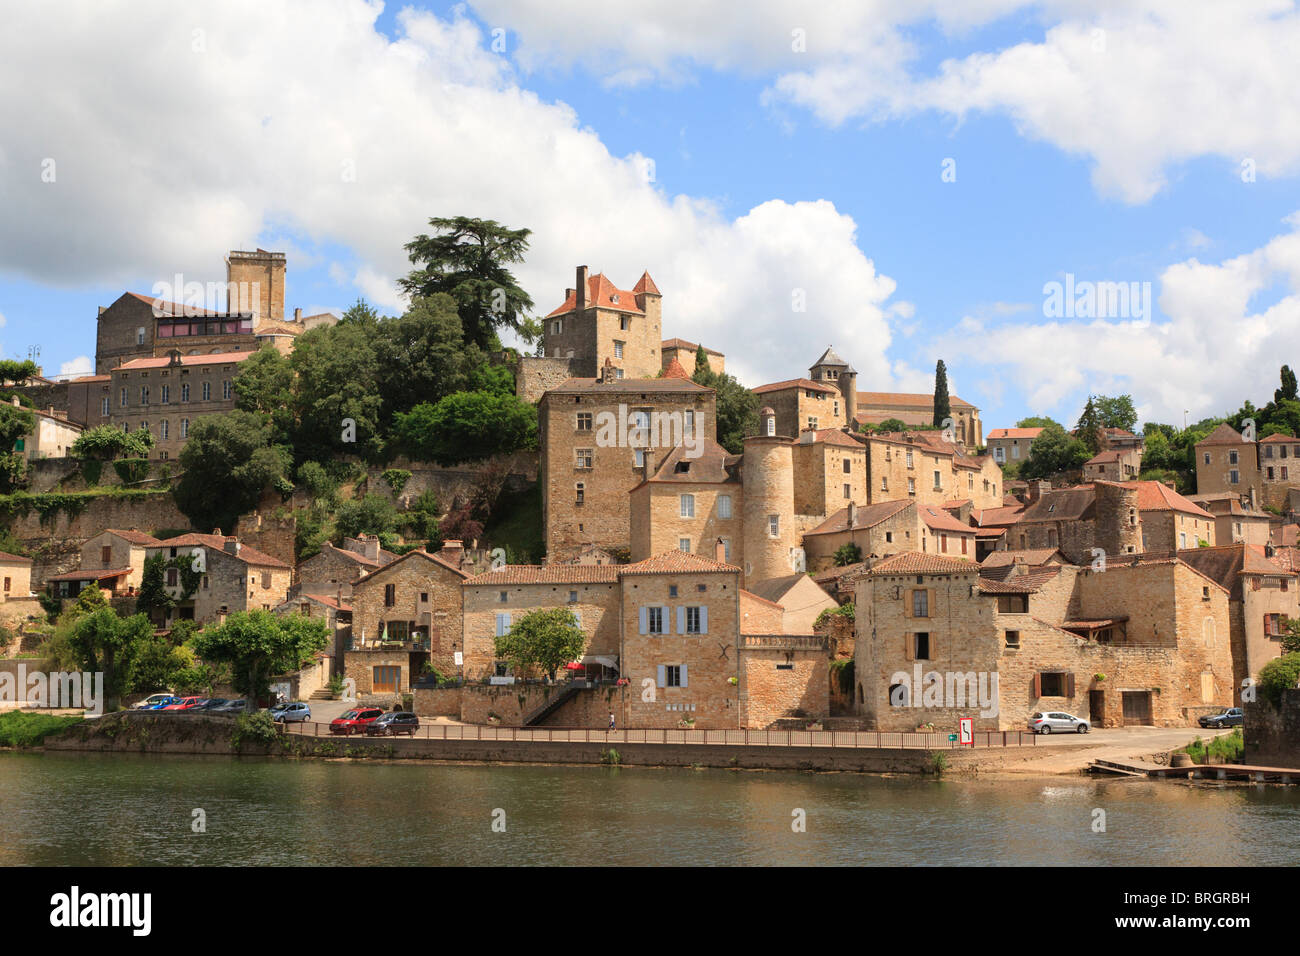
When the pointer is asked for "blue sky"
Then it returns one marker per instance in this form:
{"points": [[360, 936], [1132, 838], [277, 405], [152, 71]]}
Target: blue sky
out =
{"points": [[768, 176]]}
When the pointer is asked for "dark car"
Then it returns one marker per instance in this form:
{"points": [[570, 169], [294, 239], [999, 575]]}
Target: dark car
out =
{"points": [[1232, 717], [355, 720], [213, 703], [232, 707], [391, 724]]}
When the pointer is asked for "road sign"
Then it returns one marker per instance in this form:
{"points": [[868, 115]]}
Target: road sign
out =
{"points": [[952, 738], [966, 727]]}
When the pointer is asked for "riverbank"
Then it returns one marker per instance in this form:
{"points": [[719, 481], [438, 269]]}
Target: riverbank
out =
{"points": [[216, 735]]}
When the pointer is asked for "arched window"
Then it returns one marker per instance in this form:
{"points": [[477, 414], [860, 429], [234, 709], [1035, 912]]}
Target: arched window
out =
{"points": [[1208, 628]]}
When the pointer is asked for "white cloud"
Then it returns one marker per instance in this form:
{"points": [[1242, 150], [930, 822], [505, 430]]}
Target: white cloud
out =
{"points": [[297, 119], [1137, 86], [1216, 347], [81, 365]]}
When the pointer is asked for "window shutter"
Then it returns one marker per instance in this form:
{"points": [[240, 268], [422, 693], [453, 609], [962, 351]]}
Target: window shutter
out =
{"points": [[704, 620], [662, 677], [683, 675], [681, 620], [1038, 685], [1069, 685], [934, 647], [909, 647], [644, 620]]}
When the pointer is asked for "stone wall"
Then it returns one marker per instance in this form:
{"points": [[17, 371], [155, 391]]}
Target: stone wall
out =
{"points": [[148, 513], [452, 482], [437, 702], [535, 376], [273, 536], [782, 679], [1273, 733]]}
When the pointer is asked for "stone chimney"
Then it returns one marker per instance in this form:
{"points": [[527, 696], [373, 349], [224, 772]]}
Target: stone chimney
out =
{"points": [[453, 552], [297, 315], [581, 280], [720, 552], [1038, 488], [370, 546], [853, 514], [231, 545], [607, 371]]}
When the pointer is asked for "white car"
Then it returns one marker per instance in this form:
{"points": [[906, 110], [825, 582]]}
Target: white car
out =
{"points": [[153, 700], [1055, 721]]}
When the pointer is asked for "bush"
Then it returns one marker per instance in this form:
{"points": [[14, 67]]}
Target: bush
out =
{"points": [[1223, 749], [253, 728], [24, 729], [938, 761], [1279, 675]]}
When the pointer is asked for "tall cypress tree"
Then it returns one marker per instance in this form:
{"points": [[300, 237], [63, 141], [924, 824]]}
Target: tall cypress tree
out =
{"points": [[1288, 390], [942, 405], [702, 359], [1089, 427]]}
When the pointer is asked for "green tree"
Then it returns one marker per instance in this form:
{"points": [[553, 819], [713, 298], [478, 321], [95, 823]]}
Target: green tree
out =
{"points": [[847, 554], [320, 484], [702, 359], [159, 664], [105, 642], [259, 645], [547, 639], [154, 601], [425, 357], [942, 403], [16, 372], [373, 514], [1288, 390], [338, 382], [1291, 639], [1088, 427], [891, 425], [265, 384], [467, 259], [106, 443], [467, 426], [737, 414], [15, 424], [1281, 673], [1054, 450], [1037, 421], [1117, 412], [229, 462]]}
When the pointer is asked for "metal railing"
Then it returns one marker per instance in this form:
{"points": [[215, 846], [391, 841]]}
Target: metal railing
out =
{"points": [[857, 739]]}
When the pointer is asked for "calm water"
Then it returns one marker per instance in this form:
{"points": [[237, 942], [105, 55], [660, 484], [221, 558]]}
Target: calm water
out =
{"points": [[122, 810]]}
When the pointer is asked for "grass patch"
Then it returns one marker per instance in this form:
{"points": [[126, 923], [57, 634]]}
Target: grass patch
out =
{"points": [[516, 525], [1223, 749], [25, 729]]}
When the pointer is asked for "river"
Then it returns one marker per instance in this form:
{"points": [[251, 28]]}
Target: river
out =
{"points": [[95, 810]]}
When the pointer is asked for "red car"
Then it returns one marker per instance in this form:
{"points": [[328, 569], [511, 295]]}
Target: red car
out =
{"points": [[355, 721], [185, 703]]}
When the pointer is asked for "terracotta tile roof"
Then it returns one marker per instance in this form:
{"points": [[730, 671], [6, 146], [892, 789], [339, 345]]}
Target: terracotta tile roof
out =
{"points": [[1062, 504], [135, 537], [1278, 439], [1019, 585], [547, 574], [623, 386], [1031, 557], [1092, 623], [937, 519], [997, 433], [759, 598], [805, 383], [917, 562], [1289, 535], [6, 556], [218, 543], [89, 575], [325, 599], [603, 294], [177, 309], [1287, 558], [90, 378], [998, 517], [674, 369], [988, 533], [1157, 496], [907, 399], [955, 503], [683, 344], [1224, 434], [708, 467], [410, 556], [835, 575], [162, 361], [677, 562], [867, 517], [646, 284], [277, 328], [1103, 457], [832, 436]]}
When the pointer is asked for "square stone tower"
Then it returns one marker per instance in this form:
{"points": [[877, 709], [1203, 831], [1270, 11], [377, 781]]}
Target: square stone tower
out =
{"points": [[255, 283]]}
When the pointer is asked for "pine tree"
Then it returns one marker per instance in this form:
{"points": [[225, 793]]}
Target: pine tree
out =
{"points": [[1089, 428], [1288, 390], [942, 404], [702, 359]]}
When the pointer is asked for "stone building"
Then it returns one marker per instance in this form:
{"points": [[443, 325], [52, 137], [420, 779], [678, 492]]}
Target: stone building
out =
{"points": [[685, 353], [1103, 516], [1115, 464], [877, 531], [924, 467], [166, 395], [830, 470], [51, 438], [118, 550], [801, 403], [1144, 641], [599, 322], [599, 439], [1011, 444], [918, 409], [16, 571], [333, 569], [800, 598], [234, 577], [412, 605], [1225, 461], [1235, 521], [692, 504]]}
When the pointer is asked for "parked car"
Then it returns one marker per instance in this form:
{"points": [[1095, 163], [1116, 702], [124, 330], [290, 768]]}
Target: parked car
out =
{"points": [[213, 703], [154, 700], [232, 707], [291, 713], [393, 723], [355, 720], [1232, 717], [184, 703], [164, 703], [1057, 722]]}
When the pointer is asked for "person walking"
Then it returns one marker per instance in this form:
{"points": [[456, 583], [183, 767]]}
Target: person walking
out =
{"points": [[611, 720]]}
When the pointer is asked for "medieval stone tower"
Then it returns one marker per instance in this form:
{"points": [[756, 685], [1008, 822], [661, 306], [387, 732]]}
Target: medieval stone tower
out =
{"points": [[1119, 523], [834, 371], [255, 283], [769, 527]]}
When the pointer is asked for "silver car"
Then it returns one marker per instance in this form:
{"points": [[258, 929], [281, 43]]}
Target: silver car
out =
{"points": [[291, 713], [1055, 721]]}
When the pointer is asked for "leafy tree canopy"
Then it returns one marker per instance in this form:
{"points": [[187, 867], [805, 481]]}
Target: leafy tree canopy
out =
{"points": [[737, 407], [106, 443], [259, 645], [229, 462], [1054, 450], [467, 426], [546, 639]]}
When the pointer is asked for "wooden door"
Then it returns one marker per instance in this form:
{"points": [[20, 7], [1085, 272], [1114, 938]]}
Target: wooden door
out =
{"points": [[1137, 707]]}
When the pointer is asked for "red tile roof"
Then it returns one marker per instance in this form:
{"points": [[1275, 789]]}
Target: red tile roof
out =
{"points": [[805, 383], [677, 562], [6, 556], [162, 361], [917, 562], [1029, 556], [135, 537], [834, 436], [1278, 439], [1013, 433], [603, 294], [646, 284], [411, 555], [1157, 496], [907, 399], [546, 574], [218, 543], [325, 599], [937, 519], [176, 308], [626, 386], [867, 517], [674, 369], [1224, 434], [683, 344], [89, 575]]}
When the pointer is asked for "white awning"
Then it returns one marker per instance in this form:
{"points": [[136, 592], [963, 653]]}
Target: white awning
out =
{"points": [[607, 660]]}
